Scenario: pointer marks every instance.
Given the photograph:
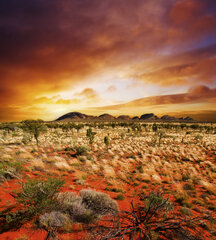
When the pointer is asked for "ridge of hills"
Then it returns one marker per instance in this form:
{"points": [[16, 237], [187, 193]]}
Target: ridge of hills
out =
{"points": [[77, 116]]}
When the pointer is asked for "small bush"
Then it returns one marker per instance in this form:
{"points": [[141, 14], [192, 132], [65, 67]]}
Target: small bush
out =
{"points": [[151, 218], [186, 211], [35, 198], [99, 203], [120, 197], [53, 220], [65, 199], [72, 204], [10, 170], [82, 150]]}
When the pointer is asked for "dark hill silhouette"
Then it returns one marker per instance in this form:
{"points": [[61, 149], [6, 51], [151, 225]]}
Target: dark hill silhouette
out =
{"points": [[124, 117], [106, 116], [77, 116], [148, 116]]}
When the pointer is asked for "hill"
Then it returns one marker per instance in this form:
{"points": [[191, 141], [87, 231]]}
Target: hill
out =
{"points": [[77, 116]]}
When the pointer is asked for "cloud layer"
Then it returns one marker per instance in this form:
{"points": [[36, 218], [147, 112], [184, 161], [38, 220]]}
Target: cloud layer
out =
{"points": [[47, 47]]}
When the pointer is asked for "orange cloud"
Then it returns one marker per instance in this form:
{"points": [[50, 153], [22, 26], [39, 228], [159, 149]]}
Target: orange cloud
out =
{"points": [[195, 66], [51, 46], [88, 93], [194, 95], [186, 11], [111, 88]]}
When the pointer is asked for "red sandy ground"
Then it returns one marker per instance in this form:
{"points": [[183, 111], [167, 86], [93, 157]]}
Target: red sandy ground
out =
{"points": [[94, 182], [7, 200]]}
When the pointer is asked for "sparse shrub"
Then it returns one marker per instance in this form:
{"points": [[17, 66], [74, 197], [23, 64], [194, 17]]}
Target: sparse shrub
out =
{"points": [[106, 141], [35, 198], [79, 213], [99, 203], [183, 199], [151, 218], [90, 134], [78, 127], [79, 150], [154, 127], [186, 211], [114, 189], [65, 199], [140, 169], [26, 139], [120, 197], [82, 150], [52, 221], [10, 170], [72, 204], [86, 207], [189, 186], [34, 127], [22, 237]]}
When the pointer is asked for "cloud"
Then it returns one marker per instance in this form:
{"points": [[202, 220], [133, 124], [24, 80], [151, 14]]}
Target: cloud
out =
{"points": [[194, 95], [193, 19], [111, 88], [201, 115], [186, 11], [88, 93], [51, 46], [183, 69]]}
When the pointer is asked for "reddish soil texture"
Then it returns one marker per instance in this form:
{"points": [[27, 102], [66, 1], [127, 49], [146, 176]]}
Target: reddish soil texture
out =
{"points": [[94, 182], [129, 186]]}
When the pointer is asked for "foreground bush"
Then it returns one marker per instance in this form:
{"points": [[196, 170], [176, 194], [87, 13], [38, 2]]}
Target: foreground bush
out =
{"points": [[42, 203], [35, 198], [151, 218], [85, 208]]}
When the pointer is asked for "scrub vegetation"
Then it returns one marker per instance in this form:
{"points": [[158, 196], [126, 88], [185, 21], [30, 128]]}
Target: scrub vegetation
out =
{"points": [[107, 180]]}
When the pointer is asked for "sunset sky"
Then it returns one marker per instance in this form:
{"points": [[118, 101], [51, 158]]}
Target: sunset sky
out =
{"points": [[107, 56]]}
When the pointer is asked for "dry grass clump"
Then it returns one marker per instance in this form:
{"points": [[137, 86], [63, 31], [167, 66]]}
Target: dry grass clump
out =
{"points": [[98, 202], [86, 207], [53, 220], [37, 164], [10, 170], [67, 198], [210, 187], [63, 165], [183, 199], [73, 205]]}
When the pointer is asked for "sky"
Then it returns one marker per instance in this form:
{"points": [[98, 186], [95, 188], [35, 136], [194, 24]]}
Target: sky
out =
{"points": [[112, 56]]}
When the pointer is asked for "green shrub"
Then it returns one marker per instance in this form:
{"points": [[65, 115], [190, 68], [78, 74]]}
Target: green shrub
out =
{"points": [[82, 150], [34, 127], [120, 196], [35, 198], [10, 170], [106, 141]]}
